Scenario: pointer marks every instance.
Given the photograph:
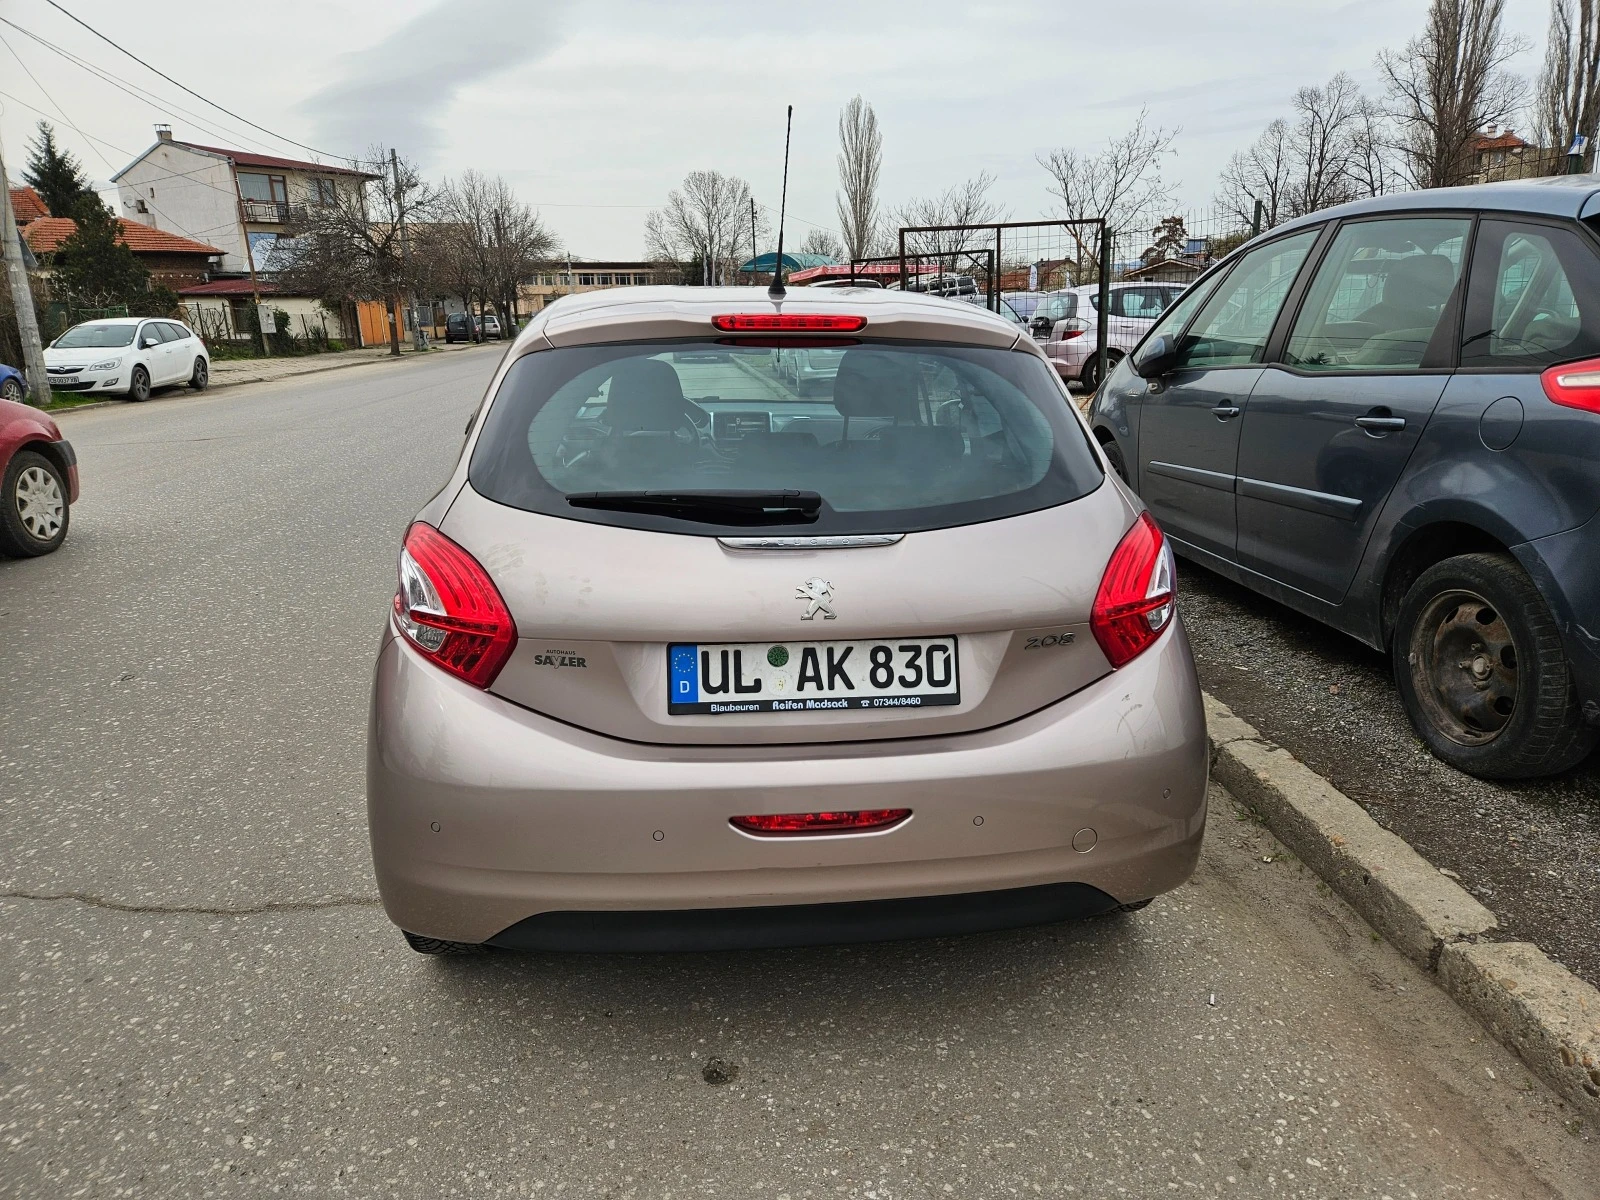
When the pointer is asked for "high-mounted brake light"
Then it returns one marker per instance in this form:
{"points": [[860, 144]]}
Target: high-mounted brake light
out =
{"points": [[1574, 385], [1137, 594], [788, 323], [449, 609], [794, 824]]}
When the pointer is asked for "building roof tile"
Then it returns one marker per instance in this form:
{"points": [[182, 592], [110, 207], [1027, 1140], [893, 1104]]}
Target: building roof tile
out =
{"points": [[45, 234]]}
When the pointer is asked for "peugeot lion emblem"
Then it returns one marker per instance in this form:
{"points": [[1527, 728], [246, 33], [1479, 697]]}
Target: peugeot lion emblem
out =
{"points": [[820, 593]]}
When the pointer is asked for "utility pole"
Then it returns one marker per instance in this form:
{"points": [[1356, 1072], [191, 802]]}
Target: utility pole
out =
{"points": [[753, 251], [405, 253], [22, 297], [255, 285]]}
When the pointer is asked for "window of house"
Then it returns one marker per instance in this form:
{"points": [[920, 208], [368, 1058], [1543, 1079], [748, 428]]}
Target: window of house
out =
{"points": [[585, 280], [603, 280], [326, 192], [641, 279], [267, 189]]}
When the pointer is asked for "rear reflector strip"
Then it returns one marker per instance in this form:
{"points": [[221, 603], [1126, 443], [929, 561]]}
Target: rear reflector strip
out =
{"points": [[797, 824], [788, 323]]}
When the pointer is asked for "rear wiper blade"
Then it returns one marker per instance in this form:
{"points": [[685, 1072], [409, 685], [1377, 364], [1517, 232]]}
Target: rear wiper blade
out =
{"points": [[726, 507]]}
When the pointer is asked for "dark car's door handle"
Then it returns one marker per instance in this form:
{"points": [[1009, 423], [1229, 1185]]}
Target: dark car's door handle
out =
{"points": [[1381, 424], [1225, 412]]}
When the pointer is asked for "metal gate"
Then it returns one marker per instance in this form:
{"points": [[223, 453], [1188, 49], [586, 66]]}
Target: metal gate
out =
{"points": [[957, 261]]}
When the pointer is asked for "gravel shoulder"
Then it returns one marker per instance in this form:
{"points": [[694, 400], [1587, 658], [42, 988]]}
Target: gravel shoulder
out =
{"points": [[1530, 852]]}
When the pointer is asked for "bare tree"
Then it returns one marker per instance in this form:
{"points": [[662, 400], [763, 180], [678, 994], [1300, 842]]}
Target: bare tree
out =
{"points": [[1120, 184], [487, 243], [707, 222], [1372, 170], [820, 241], [860, 158], [353, 249], [1448, 84], [1262, 174], [1326, 122], [1567, 94], [964, 204]]}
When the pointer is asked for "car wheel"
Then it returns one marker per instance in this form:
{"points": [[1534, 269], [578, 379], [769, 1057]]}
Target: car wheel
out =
{"points": [[201, 377], [1091, 370], [428, 945], [11, 390], [33, 506], [1113, 454], [1481, 670], [139, 385]]}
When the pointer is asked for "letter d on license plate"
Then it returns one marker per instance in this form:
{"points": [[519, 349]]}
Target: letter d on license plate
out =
{"points": [[760, 677]]}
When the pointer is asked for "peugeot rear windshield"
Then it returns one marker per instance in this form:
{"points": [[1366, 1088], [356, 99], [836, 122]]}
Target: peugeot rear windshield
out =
{"points": [[719, 437]]}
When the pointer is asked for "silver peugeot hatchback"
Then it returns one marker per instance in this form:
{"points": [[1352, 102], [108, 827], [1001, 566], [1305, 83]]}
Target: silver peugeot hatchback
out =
{"points": [[681, 658]]}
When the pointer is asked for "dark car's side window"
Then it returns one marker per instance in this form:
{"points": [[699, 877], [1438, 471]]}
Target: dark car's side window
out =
{"points": [[1379, 295], [1236, 321], [1534, 299]]}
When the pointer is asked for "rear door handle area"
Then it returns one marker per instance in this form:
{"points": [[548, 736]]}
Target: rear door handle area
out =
{"points": [[1225, 412], [1376, 424]]}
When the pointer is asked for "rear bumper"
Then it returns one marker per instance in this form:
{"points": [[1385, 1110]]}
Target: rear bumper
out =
{"points": [[1566, 569], [484, 815]]}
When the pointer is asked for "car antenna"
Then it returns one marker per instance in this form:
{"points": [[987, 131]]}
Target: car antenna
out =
{"points": [[777, 291]]}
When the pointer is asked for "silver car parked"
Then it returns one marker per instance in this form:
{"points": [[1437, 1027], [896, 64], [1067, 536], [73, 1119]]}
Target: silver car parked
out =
{"points": [[682, 671]]}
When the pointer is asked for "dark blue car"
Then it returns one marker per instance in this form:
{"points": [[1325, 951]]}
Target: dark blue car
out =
{"points": [[13, 386], [1387, 416]]}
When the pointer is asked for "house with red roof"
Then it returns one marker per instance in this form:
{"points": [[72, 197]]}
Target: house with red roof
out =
{"points": [[26, 205], [171, 260], [237, 200]]}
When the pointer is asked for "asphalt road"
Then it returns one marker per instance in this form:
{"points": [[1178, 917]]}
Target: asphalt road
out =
{"points": [[199, 995]]}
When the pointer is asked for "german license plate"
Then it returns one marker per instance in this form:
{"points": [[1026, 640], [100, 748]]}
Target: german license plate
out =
{"points": [[757, 677]]}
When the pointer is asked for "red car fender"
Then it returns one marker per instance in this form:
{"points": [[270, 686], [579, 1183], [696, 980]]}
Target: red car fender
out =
{"points": [[21, 426]]}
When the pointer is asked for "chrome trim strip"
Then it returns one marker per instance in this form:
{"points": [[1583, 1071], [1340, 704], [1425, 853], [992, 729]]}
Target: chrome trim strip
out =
{"points": [[849, 541], [1210, 479], [1324, 504]]}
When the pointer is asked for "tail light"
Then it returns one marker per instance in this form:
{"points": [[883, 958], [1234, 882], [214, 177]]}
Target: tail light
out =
{"points": [[792, 824], [1137, 594], [1073, 327], [450, 610], [1574, 385]]}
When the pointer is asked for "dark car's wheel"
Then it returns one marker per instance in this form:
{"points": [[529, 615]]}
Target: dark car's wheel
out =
{"points": [[1091, 369], [139, 385], [33, 506], [1480, 667], [428, 945], [1114, 457], [201, 377], [11, 390]]}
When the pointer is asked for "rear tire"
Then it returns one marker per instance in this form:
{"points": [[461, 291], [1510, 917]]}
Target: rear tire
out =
{"points": [[11, 390], [428, 945], [201, 377], [1482, 673], [139, 385], [1113, 453], [34, 511]]}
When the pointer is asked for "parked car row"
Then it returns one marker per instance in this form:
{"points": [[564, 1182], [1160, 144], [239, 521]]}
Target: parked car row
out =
{"points": [[1387, 416], [466, 327]]}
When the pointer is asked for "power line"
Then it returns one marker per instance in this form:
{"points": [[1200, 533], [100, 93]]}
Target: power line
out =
{"points": [[123, 50], [53, 101], [161, 104]]}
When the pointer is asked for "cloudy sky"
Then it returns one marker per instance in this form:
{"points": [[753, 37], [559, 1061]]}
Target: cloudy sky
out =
{"points": [[594, 111]]}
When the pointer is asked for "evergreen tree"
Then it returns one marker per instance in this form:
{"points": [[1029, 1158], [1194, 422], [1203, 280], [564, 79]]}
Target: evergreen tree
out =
{"points": [[54, 173], [92, 267]]}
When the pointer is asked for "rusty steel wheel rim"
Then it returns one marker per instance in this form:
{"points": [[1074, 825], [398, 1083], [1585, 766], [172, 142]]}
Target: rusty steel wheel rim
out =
{"points": [[1464, 667]]}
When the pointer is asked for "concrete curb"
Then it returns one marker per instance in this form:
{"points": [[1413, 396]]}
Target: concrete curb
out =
{"points": [[1538, 1009]]}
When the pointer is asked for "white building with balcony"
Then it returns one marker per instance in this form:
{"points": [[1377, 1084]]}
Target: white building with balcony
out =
{"points": [[237, 200]]}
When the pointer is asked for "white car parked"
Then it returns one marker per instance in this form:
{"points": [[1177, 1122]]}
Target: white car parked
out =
{"points": [[127, 356]]}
